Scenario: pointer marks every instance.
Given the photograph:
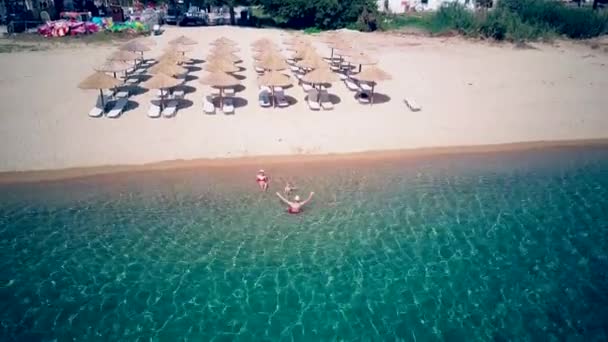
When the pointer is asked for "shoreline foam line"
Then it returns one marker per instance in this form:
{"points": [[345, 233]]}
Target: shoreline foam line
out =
{"points": [[269, 160]]}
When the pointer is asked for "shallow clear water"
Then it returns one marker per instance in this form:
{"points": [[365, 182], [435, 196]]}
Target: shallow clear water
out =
{"points": [[512, 246]]}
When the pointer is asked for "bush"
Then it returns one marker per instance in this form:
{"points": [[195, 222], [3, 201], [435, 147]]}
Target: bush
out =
{"points": [[570, 21], [367, 21], [323, 14], [502, 24], [454, 16]]}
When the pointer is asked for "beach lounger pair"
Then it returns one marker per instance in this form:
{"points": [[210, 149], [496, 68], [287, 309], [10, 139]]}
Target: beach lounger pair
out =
{"points": [[169, 111], [351, 84], [118, 108], [279, 97], [99, 109], [319, 99]]}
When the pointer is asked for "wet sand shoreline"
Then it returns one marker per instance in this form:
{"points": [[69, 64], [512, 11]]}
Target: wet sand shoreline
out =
{"points": [[269, 162]]}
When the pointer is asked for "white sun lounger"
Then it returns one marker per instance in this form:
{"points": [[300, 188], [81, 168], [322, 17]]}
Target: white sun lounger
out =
{"points": [[170, 110], [122, 94], [351, 85], [229, 91], [313, 100], [294, 68], [179, 94], [326, 104], [365, 86], [154, 111], [259, 70], [280, 98], [119, 106], [306, 87], [412, 105], [98, 110], [208, 106], [166, 93], [342, 76], [228, 107]]}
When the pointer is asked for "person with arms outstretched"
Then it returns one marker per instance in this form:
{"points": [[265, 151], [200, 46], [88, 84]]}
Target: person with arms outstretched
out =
{"points": [[296, 206]]}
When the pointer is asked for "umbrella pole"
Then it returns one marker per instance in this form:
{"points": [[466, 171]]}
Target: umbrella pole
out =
{"points": [[332, 55], [162, 99], [103, 105], [114, 74], [221, 97], [274, 102], [371, 101], [360, 67]]}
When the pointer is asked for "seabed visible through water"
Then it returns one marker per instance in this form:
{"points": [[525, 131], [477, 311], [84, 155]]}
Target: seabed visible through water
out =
{"points": [[474, 247]]}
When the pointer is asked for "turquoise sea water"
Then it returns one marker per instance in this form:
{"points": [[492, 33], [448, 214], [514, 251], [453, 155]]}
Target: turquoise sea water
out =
{"points": [[479, 247]]}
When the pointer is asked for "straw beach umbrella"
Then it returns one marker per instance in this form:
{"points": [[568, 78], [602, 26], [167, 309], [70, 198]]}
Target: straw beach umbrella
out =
{"points": [[161, 81], [274, 79], [182, 40], [372, 75], [219, 65], [319, 76], [312, 61], [223, 41], [220, 80], [113, 66], [227, 56], [168, 68], [101, 81], [361, 58], [136, 46], [224, 49], [272, 62], [122, 55], [178, 48], [262, 42], [172, 57]]}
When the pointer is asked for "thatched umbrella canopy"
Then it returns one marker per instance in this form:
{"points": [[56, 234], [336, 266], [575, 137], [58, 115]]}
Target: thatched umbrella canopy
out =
{"points": [[372, 75], [274, 79], [262, 42], [295, 40], [101, 81], [361, 58], [113, 66], [183, 40], [272, 62], [320, 75], [178, 48], [339, 45], [168, 68], [224, 49], [227, 56], [312, 61], [220, 80], [304, 52], [223, 41], [123, 55], [136, 46], [220, 65], [161, 81], [269, 46], [172, 57]]}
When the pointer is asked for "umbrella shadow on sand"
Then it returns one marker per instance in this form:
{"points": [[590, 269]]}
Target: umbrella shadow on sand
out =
{"points": [[239, 88], [194, 61], [241, 69], [189, 78], [181, 104], [334, 99], [291, 100], [186, 88], [379, 98], [238, 102], [192, 68], [238, 77], [136, 90], [131, 105]]}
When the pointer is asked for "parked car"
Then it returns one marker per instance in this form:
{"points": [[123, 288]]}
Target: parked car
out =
{"points": [[173, 15], [193, 17]]}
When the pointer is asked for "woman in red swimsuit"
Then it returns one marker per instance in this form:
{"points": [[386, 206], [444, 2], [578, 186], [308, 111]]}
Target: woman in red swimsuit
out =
{"points": [[296, 206], [262, 180]]}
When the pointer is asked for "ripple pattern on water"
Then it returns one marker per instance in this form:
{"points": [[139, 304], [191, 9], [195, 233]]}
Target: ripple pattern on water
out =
{"points": [[460, 248]]}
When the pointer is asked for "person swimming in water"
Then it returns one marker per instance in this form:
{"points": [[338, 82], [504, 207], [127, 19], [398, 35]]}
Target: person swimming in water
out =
{"points": [[262, 180], [296, 206]]}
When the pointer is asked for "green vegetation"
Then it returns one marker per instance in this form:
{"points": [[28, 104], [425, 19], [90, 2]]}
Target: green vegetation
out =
{"points": [[513, 20], [322, 14]]}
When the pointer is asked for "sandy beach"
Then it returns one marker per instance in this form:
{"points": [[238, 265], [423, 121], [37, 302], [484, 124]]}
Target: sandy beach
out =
{"points": [[471, 93]]}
